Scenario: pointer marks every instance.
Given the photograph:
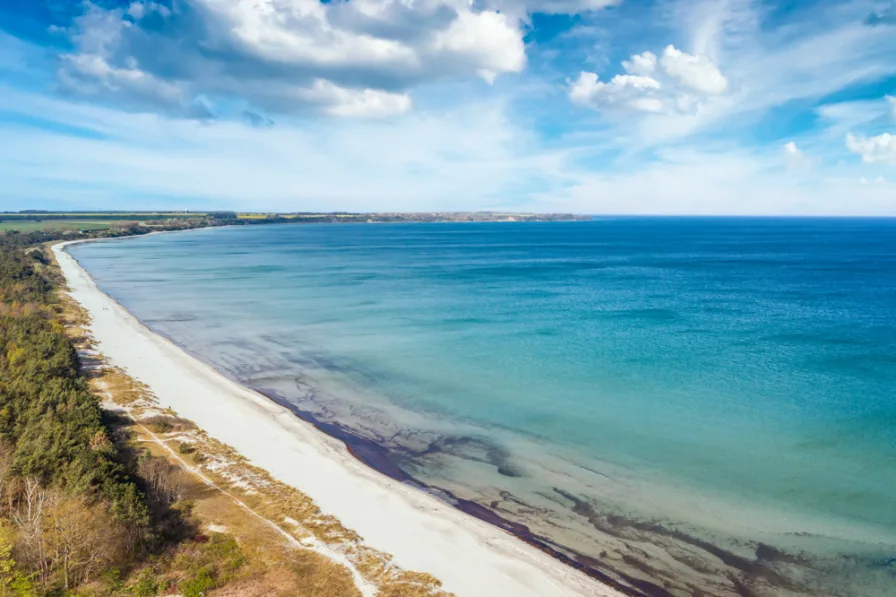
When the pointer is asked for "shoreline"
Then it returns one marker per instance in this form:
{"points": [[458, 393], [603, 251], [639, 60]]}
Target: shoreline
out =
{"points": [[470, 554], [375, 457], [635, 555]]}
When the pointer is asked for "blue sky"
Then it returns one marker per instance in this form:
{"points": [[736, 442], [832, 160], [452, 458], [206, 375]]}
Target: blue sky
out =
{"points": [[591, 106]]}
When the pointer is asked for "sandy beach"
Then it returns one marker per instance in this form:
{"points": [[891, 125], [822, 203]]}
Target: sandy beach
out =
{"points": [[471, 557]]}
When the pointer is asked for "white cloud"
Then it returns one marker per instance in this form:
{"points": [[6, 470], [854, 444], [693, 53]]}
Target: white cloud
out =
{"points": [[676, 83], [298, 33], [339, 101], [638, 82], [640, 64], [647, 104], [695, 72], [557, 7], [881, 148], [621, 91], [757, 64], [891, 101], [490, 43], [271, 52]]}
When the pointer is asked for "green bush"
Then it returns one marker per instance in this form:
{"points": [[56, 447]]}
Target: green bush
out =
{"points": [[147, 585], [198, 584], [209, 565]]}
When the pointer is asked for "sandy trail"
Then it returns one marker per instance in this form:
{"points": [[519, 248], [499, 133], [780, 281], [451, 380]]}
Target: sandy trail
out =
{"points": [[366, 588]]}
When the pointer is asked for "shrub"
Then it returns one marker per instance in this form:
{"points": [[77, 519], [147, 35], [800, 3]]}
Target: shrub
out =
{"points": [[158, 424], [147, 585], [197, 585], [167, 424]]}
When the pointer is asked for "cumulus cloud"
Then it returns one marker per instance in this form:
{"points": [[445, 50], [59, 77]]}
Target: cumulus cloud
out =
{"points": [[641, 63], [341, 58], [696, 72], [339, 101], [485, 41], [622, 90], [881, 148], [674, 82]]}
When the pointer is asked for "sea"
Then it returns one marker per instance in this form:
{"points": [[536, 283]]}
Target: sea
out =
{"points": [[676, 406]]}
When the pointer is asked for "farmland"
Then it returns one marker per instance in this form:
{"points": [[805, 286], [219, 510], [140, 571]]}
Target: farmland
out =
{"points": [[47, 225]]}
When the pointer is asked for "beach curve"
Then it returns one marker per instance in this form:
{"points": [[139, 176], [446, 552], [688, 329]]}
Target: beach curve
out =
{"points": [[471, 557]]}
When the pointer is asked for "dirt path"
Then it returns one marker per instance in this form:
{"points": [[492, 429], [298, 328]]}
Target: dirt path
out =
{"points": [[366, 588]]}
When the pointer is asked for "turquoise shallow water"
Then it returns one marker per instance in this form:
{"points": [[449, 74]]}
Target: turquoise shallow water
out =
{"points": [[675, 403]]}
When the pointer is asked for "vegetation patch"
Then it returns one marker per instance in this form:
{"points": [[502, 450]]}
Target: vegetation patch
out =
{"points": [[110, 501], [52, 225]]}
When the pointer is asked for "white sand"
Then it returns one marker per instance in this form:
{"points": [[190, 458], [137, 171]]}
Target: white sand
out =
{"points": [[471, 558]]}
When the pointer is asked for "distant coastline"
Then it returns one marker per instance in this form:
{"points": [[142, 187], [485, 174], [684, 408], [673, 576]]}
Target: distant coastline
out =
{"points": [[92, 222]]}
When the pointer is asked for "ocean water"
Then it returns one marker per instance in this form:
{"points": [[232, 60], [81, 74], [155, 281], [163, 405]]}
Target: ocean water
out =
{"points": [[679, 406]]}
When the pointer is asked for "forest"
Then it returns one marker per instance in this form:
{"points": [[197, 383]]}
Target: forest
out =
{"points": [[81, 511]]}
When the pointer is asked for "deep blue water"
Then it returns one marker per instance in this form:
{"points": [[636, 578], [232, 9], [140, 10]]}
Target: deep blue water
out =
{"points": [[727, 378]]}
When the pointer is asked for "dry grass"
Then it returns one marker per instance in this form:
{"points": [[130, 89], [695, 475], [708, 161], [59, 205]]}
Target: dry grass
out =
{"points": [[272, 566]]}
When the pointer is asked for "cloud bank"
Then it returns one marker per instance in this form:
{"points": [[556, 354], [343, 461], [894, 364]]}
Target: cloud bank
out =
{"points": [[595, 106], [355, 58]]}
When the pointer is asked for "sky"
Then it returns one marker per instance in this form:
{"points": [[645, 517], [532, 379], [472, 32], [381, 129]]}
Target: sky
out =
{"points": [[689, 107]]}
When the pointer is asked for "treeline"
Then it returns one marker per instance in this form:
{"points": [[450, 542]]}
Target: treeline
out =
{"points": [[111, 216], [77, 505], [117, 228]]}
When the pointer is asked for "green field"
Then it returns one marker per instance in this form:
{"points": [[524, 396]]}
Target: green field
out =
{"points": [[33, 226], [101, 216]]}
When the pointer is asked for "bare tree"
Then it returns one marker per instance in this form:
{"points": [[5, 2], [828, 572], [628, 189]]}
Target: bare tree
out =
{"points": [[166, 482], [29, 519], [80, 539]]}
